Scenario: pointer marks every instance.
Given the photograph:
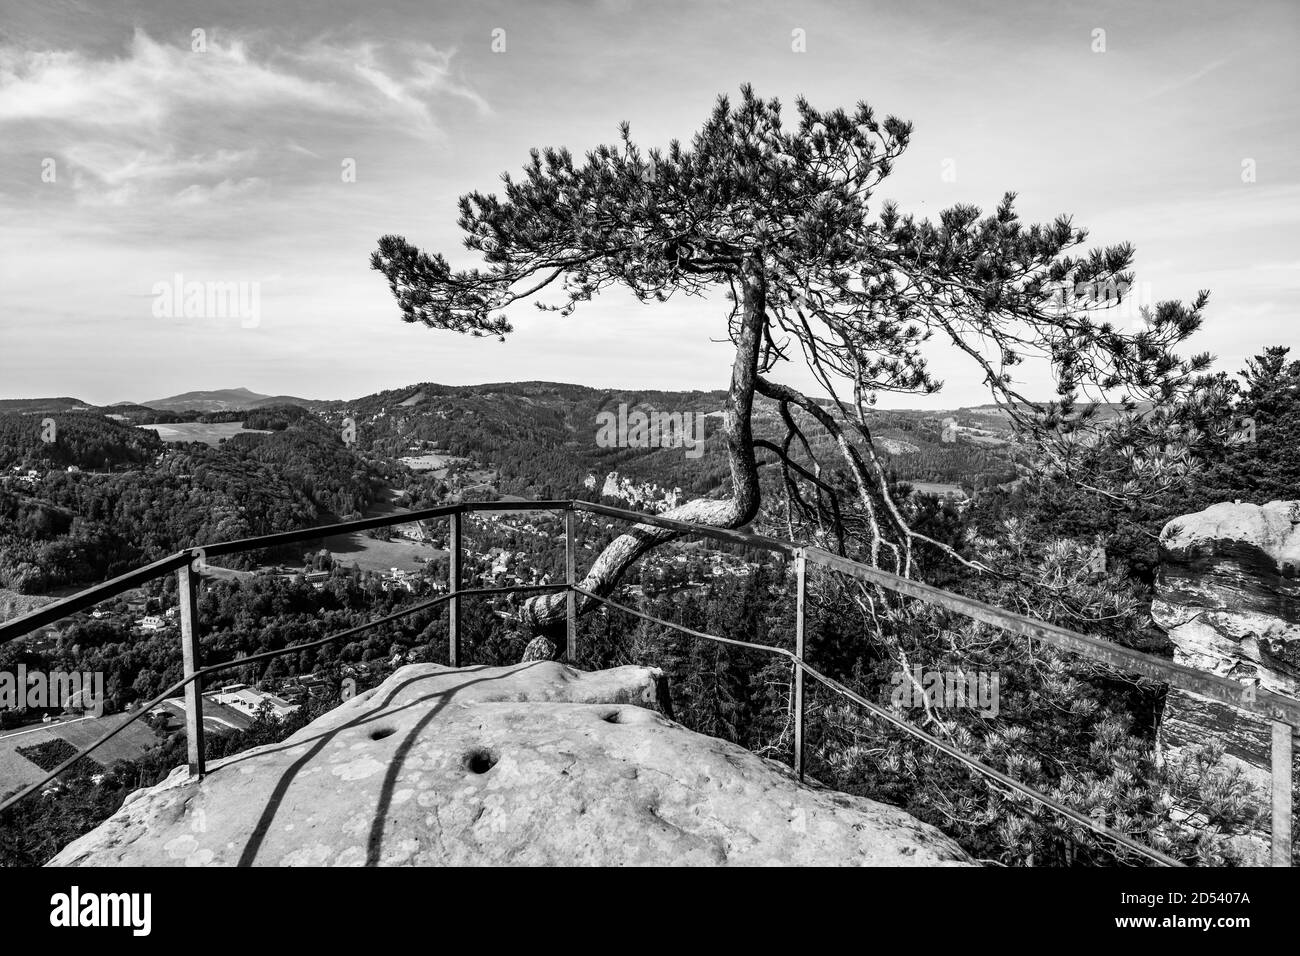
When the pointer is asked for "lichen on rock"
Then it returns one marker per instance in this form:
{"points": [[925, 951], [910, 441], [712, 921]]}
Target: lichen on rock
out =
{"points": [[533, 764]]}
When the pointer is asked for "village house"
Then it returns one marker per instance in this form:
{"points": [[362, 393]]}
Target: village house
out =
{"points": [[249, 700], [397, 578]]}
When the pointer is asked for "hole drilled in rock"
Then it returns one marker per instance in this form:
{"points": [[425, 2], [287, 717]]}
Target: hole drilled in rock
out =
{"points": [[480, 761], [613, 717], [382, 732]]}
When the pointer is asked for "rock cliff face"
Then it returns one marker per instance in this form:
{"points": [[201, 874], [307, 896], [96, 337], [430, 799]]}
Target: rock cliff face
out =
{"points": [[535, 764], [1230, 587], [1229, 597]]}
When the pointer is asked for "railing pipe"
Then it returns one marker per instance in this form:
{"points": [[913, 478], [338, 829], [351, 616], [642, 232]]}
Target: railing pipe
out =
{"points": [[972, 762], [745, 538], [997, 776], [1265, 703], [211, 669], [299, 535], [57, 610]]}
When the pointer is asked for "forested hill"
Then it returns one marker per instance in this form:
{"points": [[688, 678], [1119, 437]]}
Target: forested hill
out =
{"points": [[222, 400], [104, 496], [72, 438], [542, 436], [33, 406]]}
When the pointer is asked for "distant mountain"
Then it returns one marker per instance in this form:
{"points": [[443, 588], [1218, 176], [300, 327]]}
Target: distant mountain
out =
{"points": [[222, 400]]}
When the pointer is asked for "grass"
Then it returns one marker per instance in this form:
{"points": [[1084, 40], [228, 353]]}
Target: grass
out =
{"points": [[209, 434], [935, 488], [372, 554], [430, 462], [17, 770]]}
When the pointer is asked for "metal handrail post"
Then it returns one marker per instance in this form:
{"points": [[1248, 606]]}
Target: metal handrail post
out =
{"points": [[1282, 754], [800, 575], [187, 592], [570, 577], [454, 555]]}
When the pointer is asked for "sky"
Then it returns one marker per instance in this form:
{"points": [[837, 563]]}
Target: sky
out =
{"points": [[275, 145]]}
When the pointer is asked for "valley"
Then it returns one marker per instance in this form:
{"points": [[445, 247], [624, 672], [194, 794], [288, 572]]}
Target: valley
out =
{"points": [[210, 465]]}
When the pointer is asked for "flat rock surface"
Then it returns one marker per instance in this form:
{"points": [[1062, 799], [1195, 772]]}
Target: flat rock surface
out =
{"points": [[534, 764]]}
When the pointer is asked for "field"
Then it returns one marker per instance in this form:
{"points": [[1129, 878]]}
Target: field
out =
{"points": [[371, 554], [428, 462], [196, 431], [17, 771], [13, 604], [439, 465], [937, 488]]}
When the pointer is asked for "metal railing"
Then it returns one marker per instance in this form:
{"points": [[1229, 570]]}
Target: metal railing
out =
{"points": [[1282, 712]]}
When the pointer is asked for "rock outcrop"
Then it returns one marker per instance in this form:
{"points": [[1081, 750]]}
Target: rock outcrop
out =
{"points": [[534, 764], [1228, 595]]}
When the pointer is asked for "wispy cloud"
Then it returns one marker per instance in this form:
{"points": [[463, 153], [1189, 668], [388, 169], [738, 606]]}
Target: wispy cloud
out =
{"points": [[157, 122], [147, 86], [115, 174], [223, 191], [429, 73], [154, 81], [114, 164], [1184, 81]]}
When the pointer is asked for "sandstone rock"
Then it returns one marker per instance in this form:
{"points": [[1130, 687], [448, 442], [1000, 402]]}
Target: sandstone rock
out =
{"points": [[1229, 591], [1228, 595], [538, 649], [532, 764]]}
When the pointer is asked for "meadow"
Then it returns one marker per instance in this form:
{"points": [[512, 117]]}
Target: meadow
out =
{"points": [[208, 434]]}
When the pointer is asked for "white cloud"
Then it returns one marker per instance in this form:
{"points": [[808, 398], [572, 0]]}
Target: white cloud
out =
{"points": [[1185, 81], [164, 124], [301, 150], [155, 82], [117, 174], [145, 87], [115, 163], [223, 191]]}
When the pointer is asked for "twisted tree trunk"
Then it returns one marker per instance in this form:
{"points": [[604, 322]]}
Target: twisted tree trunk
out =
{"points": [[548, 610]]}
